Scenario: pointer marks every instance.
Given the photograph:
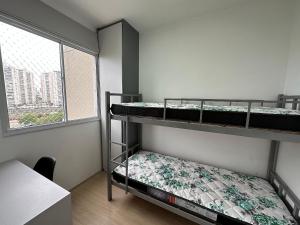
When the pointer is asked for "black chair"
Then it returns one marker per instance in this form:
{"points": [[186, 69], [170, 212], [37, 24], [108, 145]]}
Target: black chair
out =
{"points": [[45, 166]]}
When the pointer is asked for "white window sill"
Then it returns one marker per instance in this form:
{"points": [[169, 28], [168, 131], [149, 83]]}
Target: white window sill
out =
{"points": [[12, 132]]}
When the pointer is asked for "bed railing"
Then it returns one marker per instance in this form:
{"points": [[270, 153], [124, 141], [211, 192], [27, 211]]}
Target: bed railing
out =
{"points": [[293, 99], [281, 102], [287, 195]]}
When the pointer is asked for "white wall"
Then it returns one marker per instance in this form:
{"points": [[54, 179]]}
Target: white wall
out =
{"points": [[237, 153], [292, 84], [240, 52], [289, 156], [76, 148]]}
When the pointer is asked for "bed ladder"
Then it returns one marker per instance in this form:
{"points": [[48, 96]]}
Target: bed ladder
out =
{"points": [[126, 149]]}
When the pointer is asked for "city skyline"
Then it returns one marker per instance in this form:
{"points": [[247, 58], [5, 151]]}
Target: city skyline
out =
{"points": [[22, 91], [26, 57]]}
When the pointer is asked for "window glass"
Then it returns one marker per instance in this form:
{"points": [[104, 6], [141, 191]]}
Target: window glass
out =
{"points": [[36, 92], [81, 86], [32, 75]]}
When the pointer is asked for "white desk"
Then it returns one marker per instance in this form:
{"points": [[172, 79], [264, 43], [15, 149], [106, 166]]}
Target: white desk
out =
{"points": [[26, 197]]}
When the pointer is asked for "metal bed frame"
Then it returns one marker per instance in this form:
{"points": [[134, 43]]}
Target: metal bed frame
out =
{"points": [[285, 193]]}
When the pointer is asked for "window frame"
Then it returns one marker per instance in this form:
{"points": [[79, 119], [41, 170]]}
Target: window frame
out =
{"points": [[4, 115]]}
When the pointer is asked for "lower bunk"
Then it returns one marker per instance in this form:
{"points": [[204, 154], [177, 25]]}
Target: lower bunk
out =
{"points": [[214, 194]]}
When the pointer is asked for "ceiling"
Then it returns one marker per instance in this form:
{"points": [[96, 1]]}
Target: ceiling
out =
{"points": [[142, 14]]}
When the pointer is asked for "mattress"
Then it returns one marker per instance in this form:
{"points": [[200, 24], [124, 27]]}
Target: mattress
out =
{"points": [[244, 198], [261, 117]]}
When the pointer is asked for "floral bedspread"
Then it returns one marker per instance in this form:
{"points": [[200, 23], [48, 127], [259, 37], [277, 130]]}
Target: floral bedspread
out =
{"points": [[224, 108], [247, 198]]}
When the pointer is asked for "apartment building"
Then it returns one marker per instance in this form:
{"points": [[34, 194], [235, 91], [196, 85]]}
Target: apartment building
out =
{"points": [[51, 88], [20, 87]]}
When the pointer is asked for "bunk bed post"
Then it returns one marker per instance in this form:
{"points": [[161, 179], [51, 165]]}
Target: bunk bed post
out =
{"points": [[272, 164], [281, 101], [123, 125], [165, 109], [108, 141], [126, 151], [295, 103], [248, 114], [201, 111], [140, 99], [274, 149]]}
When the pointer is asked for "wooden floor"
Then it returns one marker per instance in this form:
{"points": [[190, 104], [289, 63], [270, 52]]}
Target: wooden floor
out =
{"points": [[90, 207]]}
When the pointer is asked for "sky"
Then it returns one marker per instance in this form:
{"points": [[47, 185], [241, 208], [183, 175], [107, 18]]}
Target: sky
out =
{"points": [[22, 49]]}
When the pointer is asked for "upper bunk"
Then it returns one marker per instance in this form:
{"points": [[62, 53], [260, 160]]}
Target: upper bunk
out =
{"points": [[275, 120]]}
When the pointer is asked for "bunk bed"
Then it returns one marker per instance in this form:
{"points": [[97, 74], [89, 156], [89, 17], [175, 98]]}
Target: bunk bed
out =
{"points": [[201, 193]]}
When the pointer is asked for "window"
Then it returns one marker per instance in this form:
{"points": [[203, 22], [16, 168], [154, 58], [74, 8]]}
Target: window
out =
{"points": [[80, 71], [45, 82]]}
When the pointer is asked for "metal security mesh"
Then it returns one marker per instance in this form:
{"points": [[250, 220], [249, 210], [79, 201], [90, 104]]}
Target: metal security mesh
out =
{"points": [[80, 71], [32, 75]]}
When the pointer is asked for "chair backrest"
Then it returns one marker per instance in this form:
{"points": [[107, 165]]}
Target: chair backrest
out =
{"points": [[45, 166]]}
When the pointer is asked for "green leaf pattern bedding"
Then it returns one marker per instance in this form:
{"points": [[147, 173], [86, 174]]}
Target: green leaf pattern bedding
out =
{"points": [[223, 108], [247, 198]]}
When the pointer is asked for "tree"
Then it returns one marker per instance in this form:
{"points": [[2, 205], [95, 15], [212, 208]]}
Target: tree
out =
{"points": [[31, 118], [28, 118]]}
